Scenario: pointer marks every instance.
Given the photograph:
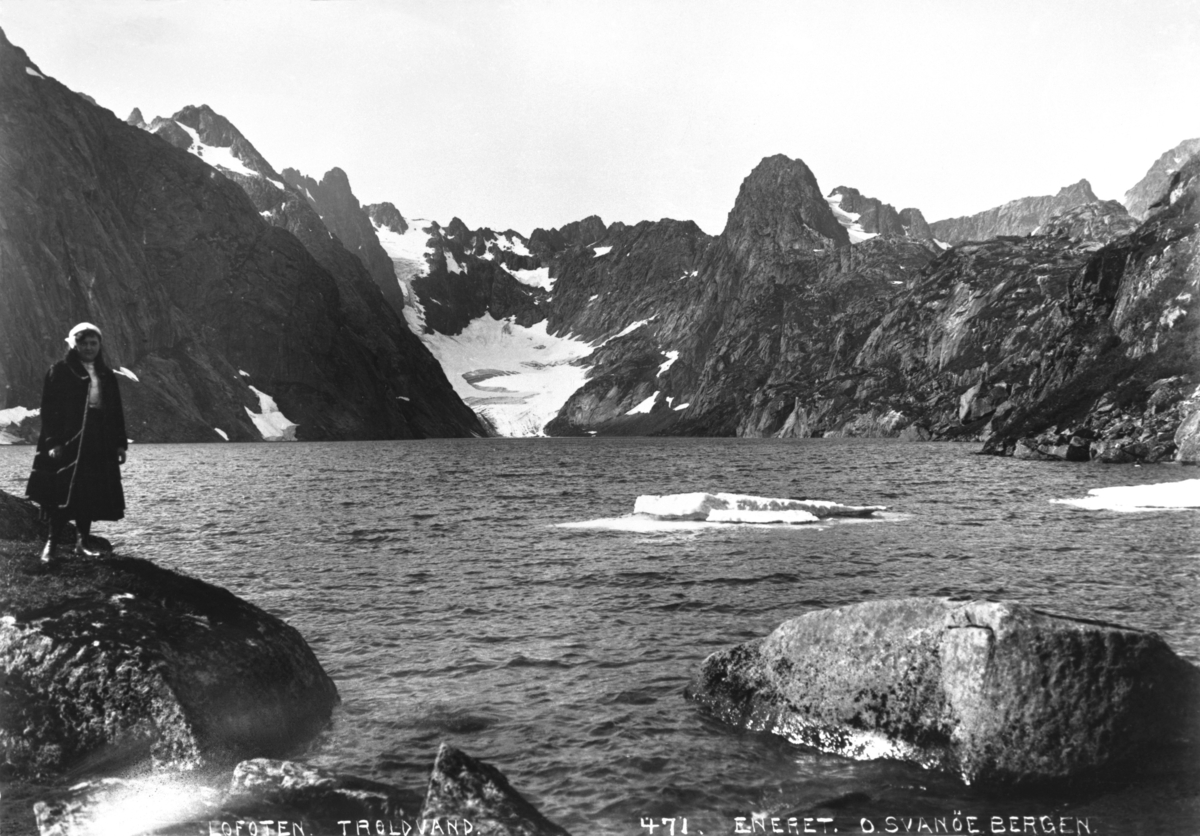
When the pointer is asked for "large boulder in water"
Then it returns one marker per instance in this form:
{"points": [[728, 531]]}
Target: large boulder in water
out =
{"points": [[107, 664], [996, 692]]}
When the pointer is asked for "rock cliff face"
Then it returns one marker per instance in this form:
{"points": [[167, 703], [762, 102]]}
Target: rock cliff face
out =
{"points": [[1117, 372], [1150, 188], [205, 301], [344, 217], [1017, 217]]}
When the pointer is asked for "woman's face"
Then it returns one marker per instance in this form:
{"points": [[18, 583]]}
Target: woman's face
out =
{"points": [[88, 346]]}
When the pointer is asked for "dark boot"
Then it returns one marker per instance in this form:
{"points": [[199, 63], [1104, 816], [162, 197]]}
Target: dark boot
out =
{"points": [[84, 530]]}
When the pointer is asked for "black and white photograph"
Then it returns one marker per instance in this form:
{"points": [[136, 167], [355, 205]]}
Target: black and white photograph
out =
{"points": [[610, 418]]}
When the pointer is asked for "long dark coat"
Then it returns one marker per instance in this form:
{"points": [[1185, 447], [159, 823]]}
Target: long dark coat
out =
{"points": [[85, 481]]}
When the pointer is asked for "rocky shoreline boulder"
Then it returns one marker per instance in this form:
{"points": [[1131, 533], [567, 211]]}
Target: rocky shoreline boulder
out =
{"points": [[284, 798], [997, 693], [110, 664]]}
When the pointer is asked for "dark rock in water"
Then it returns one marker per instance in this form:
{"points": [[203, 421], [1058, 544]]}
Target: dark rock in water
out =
{"points": [[995, 692], [114, 663], [263, 788], [463, 788]]}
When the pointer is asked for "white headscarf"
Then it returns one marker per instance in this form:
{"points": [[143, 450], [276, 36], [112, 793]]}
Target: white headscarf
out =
{"points": [[83, 326]]}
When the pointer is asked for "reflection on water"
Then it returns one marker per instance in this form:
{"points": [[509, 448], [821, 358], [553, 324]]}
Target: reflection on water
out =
{"points": [[461, 591]]}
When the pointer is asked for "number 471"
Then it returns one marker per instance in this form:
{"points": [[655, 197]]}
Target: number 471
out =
{"points": [[650, 825]]}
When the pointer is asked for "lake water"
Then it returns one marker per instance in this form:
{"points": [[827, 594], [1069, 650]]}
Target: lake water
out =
{"points": [[448, 589]]}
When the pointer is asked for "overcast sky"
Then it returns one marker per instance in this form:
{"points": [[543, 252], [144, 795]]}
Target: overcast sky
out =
{"points": [[526, 113]]}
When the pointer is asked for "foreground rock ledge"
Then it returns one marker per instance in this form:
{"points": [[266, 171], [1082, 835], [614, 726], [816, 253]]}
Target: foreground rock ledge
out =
{"points": [[113, 663], [996, 692], [464, 796]]}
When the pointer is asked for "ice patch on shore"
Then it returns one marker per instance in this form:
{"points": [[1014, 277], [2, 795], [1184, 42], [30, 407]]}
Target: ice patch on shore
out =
{"points": [[1163, 496], [271, 423]]}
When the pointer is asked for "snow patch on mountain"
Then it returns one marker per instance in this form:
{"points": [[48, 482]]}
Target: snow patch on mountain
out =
{"points": [[599, 251], [645, 406], [672, 356], [271, 423], [216, 156], [410, 252], [849, 220], [539, 277], [516, 377]]}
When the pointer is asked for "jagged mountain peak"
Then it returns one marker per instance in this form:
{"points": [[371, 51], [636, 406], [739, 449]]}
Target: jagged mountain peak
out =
{"points": [[1080, 192], [388, 216], [135, 118], [204, 133], [781, 200]]}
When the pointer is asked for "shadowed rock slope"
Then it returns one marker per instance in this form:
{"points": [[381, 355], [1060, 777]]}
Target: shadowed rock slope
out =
{"points": [[198, 294]]}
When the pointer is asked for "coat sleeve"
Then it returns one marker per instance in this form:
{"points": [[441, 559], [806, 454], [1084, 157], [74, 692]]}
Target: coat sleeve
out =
{"points": [[51, 412], [117, 417]]}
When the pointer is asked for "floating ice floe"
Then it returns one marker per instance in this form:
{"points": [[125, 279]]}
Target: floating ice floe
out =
{"points": [[701, 511], [1130, 498], [727, 507]]}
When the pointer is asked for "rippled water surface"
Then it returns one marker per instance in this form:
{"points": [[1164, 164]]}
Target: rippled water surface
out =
{"points": [[437, 584]]}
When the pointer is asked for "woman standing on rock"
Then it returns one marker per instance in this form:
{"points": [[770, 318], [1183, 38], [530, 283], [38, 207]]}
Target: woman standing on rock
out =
{"points": [[77, 469]]}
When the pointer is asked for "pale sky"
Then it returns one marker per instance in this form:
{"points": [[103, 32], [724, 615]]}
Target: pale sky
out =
{"points": [[526, 113]]}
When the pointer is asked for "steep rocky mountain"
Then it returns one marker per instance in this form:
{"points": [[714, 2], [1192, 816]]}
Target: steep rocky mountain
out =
{"points": [[1120, 373], [222, 322], [344, 217], [1017, 217], [1150, 188]]}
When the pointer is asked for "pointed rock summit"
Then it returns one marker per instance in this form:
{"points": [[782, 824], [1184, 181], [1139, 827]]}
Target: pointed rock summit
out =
{"points": [[387, 216], [781, 205]]}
